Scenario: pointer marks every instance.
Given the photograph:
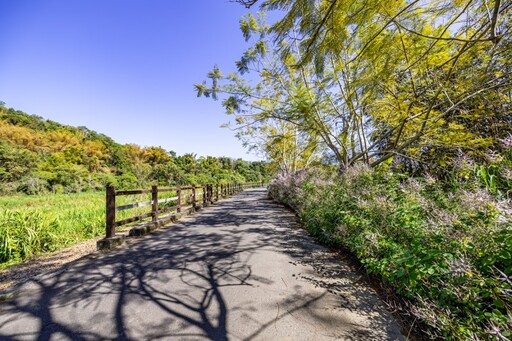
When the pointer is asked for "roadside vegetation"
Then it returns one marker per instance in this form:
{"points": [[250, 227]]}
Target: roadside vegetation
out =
{"points": [[38, 224], [448, 251], [44, 223], [389, 126]]}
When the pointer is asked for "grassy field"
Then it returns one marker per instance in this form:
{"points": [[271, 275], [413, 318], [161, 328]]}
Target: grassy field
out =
{"points": [[37, 224], [31, 225]]}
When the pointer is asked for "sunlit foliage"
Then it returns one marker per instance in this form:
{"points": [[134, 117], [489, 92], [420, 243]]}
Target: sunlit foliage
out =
{"points": [[39, 156]]}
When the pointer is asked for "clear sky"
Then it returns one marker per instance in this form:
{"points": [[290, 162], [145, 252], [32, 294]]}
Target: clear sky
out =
{"points": [[124, 68]]}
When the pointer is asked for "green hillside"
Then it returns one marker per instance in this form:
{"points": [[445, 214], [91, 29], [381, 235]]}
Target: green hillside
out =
{"points": [[43, 156]]}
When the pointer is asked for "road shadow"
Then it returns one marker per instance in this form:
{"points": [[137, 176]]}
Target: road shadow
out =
{"points": [[188, 280]]}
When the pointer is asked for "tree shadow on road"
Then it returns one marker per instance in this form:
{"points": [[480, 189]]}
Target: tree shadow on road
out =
{"points": [[172, 284]]}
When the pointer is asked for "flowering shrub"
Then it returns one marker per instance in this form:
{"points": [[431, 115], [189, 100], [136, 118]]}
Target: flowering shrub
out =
{"points": [[450, 252], [294, 189]]}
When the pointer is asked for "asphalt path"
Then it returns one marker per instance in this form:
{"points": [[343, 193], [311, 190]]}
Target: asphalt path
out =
{"points": [[242, 269]]}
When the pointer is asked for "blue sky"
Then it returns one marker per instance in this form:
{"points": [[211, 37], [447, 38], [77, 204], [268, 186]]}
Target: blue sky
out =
{"points": [[124, 68]]}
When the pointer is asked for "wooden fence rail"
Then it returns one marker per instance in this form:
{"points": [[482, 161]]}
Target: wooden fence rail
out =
{"points": [[185, 197]]}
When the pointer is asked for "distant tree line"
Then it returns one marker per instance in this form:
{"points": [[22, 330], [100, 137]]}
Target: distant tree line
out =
{"points": [[39, 156]]}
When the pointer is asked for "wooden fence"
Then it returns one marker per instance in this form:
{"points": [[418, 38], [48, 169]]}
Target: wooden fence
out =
{"points": [[188, 197]]}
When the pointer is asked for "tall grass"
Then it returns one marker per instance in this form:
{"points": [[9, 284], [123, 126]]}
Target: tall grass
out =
{"points": [[37, 224], [32, 225]]}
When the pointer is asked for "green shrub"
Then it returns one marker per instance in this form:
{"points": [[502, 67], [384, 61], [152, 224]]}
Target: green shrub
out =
{"points": [[450, 252]]}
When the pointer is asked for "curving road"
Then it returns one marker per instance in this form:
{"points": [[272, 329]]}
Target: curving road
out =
{"points": [[239, 270]]}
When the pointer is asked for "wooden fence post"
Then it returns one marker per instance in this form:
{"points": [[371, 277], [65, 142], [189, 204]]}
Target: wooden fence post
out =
{"points": [[204, 194], [154, 198], [110, 211], [178, 193], [194, 196]]}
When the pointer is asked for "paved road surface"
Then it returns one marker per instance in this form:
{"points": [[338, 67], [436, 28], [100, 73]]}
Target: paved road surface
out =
{"points": [[239, 270]]}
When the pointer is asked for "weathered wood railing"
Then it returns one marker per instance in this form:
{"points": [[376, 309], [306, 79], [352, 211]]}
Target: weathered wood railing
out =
{"points": [[188, 197]]}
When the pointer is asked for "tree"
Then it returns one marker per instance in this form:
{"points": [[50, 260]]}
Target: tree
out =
{"points": [[15, 163], [374, 80], [291, 104]]}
